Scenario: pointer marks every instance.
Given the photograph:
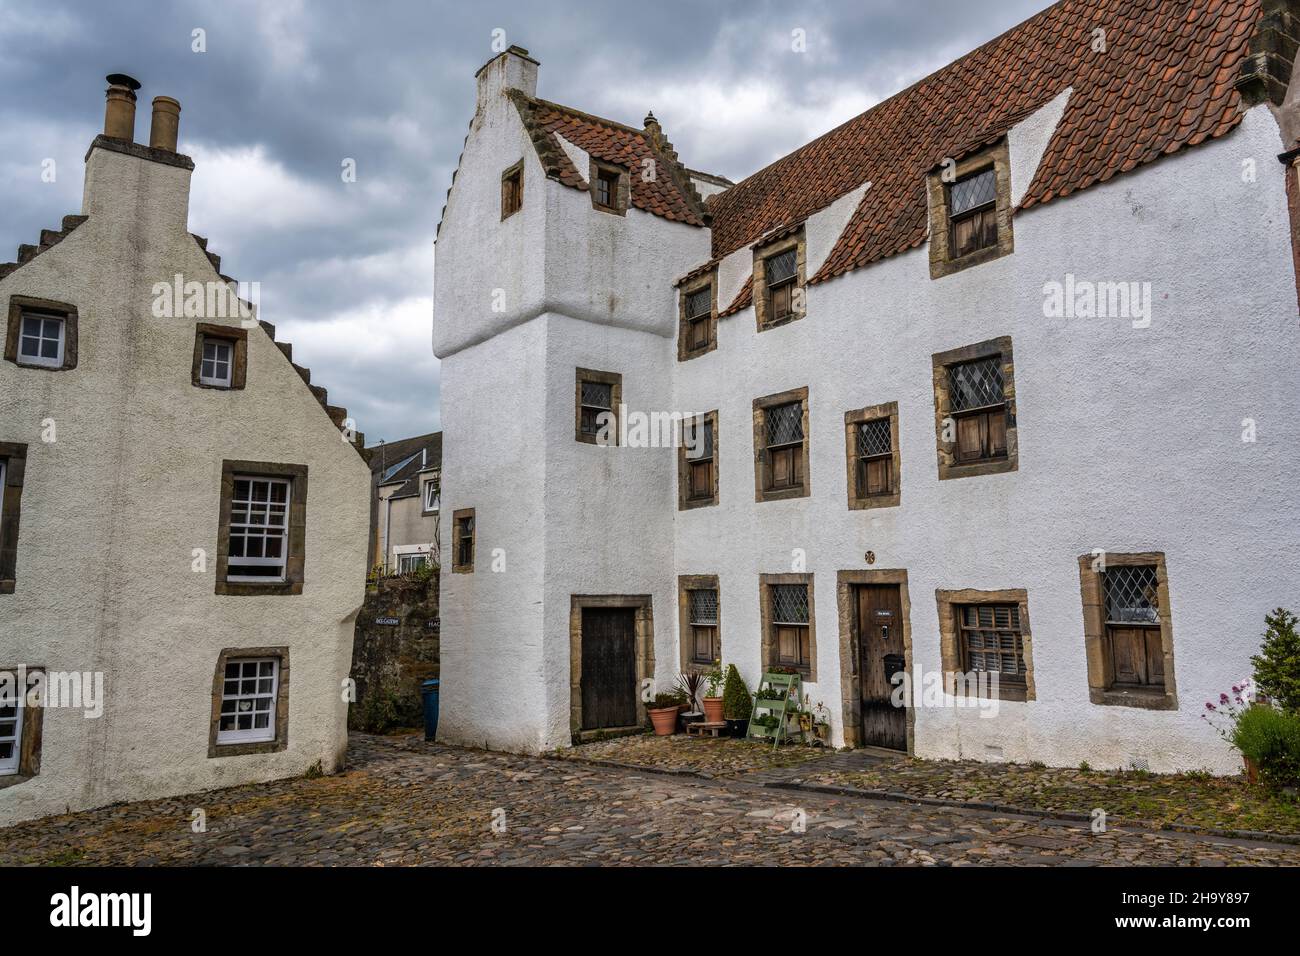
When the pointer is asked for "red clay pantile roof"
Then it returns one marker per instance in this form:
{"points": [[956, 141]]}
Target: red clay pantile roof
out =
{"points": [[668, 194], [1165, 82]]}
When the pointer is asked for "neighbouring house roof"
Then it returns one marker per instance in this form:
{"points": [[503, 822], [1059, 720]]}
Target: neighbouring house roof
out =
{"points": [[401, 462], [668, 194], [1164, 82]]}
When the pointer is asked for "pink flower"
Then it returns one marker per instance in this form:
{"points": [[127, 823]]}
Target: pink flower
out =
{"points": [[1209, 706], [1223, 698]]}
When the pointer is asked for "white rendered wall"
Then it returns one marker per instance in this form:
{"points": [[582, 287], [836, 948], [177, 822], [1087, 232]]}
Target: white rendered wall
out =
{"points": [[1130, 440], [112, 510]]}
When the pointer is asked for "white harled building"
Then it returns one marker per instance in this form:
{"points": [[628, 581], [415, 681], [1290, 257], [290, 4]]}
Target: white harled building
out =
{"points": [[997, 378]]}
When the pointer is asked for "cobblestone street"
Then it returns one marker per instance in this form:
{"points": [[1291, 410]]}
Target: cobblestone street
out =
{"points": [[404, 802]]}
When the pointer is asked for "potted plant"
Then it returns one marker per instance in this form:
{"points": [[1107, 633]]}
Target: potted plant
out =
{"points": [[822, 722], [689, 685], [663, 713], [713, 700], [736, 703]]}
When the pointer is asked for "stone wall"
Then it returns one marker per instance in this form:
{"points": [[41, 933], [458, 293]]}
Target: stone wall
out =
{"points": [[389, 661]]}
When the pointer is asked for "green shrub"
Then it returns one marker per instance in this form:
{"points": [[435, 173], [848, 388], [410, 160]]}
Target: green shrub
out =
{"points": [[1277, 666], [1271, 738], [664, 700], [379, 712], [736, 704]]}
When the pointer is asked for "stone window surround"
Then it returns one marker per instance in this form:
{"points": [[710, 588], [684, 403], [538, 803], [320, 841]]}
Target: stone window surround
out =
{"points": [[622, 193], [767, 654], [998, 156], [645, 649], [684, 502], [235, 336], [517, 168], [612, 379], [949, 638], [685, 584], [946, 451], [294, 560], [1100, 666], [764, 251], [29, 744], [15, 459], [709, 279], [70, 325], [852, 420], [760, 445], [457, 517], [281, 740], [850, 692]]}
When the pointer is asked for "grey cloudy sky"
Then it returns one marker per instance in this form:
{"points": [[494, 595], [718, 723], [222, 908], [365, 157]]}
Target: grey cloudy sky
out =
{"points": [[286, 90]]}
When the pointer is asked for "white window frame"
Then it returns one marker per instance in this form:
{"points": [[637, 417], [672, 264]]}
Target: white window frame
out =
{"points": [[414, 558], [252, 734], [215, 361], [432, 494], [23, 338], [10, 765], [281, 561]]}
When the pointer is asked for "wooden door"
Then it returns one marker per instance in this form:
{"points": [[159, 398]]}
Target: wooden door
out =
{"points": [[608, 667], [880, 656]]}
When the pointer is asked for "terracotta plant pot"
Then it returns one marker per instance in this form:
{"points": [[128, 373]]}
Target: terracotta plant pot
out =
{"points": [[664, 720], [713, 710]]}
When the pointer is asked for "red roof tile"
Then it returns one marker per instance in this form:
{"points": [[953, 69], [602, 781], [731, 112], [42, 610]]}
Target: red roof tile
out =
{"points": [[1165, 82], [668, 194]]}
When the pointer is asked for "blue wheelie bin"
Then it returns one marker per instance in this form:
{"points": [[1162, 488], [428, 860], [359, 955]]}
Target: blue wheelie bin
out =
{"points": [[429, 691]]}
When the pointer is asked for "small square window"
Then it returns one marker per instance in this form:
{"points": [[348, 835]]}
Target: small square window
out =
{"points": [[432, 495], [41, 333], [779, 282], [217, 363], [220, 356], [788, 634], [610, 187], [974, 394], [970, 211], [41, 340]]}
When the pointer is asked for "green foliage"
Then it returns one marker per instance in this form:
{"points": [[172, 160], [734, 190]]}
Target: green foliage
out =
{"points": [[736, 703], [1271, 738], [1085, 767], [664, 700], [1277, 666], [381, 711], [314, 771]]}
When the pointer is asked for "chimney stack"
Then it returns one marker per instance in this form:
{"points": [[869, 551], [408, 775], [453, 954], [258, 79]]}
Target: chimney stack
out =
{"points": [[166, 123], [513, 69], [119, 111]]}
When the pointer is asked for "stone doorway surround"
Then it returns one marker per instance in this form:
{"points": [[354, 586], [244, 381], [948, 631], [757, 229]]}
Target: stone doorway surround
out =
{"points": [[850, 692], [644, 630]]}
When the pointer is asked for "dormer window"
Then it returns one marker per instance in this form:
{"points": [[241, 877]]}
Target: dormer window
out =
{"points": [[970, 211], [41, 334], [610, 189], [512, 190], [779, 281], [606, 188]]}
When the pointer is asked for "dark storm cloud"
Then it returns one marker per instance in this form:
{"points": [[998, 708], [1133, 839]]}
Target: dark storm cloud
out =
{"points": [[287, 91]]}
